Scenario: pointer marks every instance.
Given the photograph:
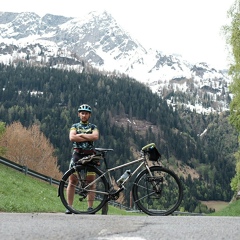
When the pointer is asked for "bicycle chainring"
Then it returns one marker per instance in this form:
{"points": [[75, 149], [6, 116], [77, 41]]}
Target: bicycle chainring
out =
{"points": [[113, 194]]}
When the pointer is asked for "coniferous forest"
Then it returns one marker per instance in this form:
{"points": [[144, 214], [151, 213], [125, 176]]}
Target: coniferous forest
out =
{"points": [[198, 147]]}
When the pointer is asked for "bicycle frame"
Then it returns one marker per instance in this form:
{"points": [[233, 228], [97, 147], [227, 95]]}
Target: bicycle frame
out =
{"points": [[108, 171], [156, 190]]}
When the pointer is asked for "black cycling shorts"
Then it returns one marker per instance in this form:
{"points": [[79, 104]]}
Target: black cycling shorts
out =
{"points": [[75, 157]]}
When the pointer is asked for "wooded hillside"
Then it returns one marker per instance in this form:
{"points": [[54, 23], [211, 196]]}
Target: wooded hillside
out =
{"points": [[128, 116]]}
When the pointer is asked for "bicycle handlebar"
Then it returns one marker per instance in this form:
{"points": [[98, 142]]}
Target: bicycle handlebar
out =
{"points": [[148, 146]]}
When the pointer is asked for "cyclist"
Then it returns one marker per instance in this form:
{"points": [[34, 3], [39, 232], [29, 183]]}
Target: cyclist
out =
{"points": [[82, 135]]}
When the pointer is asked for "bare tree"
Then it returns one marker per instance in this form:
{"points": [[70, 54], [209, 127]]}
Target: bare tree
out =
{"points": [[29, 147], [2, 130]]}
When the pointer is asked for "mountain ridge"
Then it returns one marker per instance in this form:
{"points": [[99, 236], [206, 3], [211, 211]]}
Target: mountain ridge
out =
{"points": [[98, 40]]}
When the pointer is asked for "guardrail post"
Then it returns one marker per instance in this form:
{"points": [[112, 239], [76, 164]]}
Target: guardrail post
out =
{"points": [[25, 169], [50, 181]]}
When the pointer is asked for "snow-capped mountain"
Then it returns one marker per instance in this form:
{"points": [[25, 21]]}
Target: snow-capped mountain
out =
{"points": [[98, 40]]}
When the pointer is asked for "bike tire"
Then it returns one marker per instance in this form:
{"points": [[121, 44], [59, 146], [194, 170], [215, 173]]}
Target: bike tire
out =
{"points": [[82, 192], [157, 195]]}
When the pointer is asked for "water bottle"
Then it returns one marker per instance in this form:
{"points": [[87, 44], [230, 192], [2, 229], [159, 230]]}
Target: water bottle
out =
{"points": [[123, 177]]}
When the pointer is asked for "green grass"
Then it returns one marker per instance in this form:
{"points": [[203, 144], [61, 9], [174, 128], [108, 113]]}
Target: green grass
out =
{"points": [[233, 209], [23, 193]]}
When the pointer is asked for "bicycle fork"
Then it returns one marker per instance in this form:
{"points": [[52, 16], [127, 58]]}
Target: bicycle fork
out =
{"points": [[155, 181]]}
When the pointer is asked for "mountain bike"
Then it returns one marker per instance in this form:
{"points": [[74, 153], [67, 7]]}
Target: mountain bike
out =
{"points": [[156, 190]]}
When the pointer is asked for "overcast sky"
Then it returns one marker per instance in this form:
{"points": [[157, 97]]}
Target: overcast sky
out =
{"points": [[191, 28]]}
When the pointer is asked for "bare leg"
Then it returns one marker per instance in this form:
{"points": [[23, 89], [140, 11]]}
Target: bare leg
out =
{"points": [[71, 189], [91, 195]]}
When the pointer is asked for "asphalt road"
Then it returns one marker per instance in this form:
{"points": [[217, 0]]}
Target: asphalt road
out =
{"points": [[111, 227]]}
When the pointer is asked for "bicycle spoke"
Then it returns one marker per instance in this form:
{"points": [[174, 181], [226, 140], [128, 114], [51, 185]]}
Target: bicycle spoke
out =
{"points": [[158, 194], [89, 190]]}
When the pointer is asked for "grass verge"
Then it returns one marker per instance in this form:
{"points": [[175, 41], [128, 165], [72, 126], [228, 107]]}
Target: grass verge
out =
{"points": [[23, 193], [232, 209]]}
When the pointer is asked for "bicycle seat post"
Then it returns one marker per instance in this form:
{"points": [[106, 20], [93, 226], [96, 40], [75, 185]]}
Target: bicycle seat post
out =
{"points": [[104, 159], [103, 152]]}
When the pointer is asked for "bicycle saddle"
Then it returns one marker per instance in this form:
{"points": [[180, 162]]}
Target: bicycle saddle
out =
{"points": [[103, 149]]}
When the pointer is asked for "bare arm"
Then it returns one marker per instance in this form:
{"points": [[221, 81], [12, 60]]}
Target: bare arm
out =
{"points": [[81, 137]]}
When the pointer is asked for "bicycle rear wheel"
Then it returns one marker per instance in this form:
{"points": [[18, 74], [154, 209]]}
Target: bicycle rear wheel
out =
{"points": [[90, 192], [158, 193]]}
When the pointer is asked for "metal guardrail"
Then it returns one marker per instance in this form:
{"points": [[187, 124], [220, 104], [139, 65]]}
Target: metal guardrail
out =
{"points": [[28, 171], [51, 180]]}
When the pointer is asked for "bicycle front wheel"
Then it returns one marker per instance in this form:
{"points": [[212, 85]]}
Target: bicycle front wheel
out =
{"points": [[157, 193], [83, 190]]}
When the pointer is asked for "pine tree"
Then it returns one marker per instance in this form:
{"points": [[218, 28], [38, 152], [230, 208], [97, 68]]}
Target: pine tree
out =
{"points": [[233, 38]]}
